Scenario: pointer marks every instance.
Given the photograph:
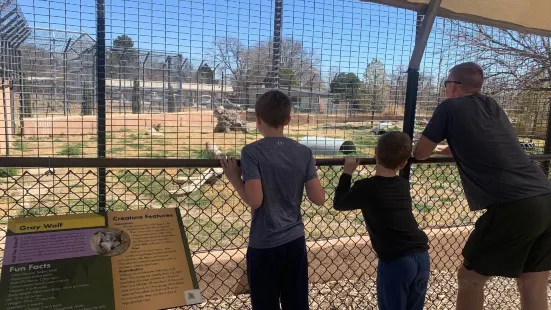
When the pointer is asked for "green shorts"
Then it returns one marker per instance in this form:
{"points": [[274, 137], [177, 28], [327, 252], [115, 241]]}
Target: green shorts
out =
{"points": [[511, 239]]}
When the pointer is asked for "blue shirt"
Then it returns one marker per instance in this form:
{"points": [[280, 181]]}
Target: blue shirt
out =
{"points": [[283, 166]]}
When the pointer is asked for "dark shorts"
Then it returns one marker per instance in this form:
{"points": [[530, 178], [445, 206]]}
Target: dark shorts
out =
{"points": [[511, 239], [277, 275]]}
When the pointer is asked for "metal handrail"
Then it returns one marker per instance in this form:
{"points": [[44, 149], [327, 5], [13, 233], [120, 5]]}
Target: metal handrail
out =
{"points": [[59, 162]]}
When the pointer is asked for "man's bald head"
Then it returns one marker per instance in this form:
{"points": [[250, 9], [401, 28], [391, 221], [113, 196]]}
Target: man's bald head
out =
{"points": [[470, 75]]}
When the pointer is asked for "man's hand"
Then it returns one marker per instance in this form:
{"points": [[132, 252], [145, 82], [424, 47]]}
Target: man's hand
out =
{"points": [[231, 169], [443, 150], [350, 165]]}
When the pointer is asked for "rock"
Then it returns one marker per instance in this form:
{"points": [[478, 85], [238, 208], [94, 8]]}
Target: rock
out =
{"points": [[229, 121], [222, 127]]}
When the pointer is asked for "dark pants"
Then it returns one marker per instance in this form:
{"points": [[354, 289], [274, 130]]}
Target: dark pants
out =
{"points": [[402, 283], [279, 273]]}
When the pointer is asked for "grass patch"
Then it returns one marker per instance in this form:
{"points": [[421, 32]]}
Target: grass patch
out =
{"points": [[359, 219], [343, 127], [71, 150], [139, 146], [423, 207], [88, 205], [232, 153], [147, 185], [20, 145], [201, 154], [364, 140], [117, 150], [37, 211], [8, 172], [161, 154], [329, 178], [197, 199], [117, 205]]}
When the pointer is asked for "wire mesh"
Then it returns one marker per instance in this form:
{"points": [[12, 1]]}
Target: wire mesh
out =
{"points": [[169, 66], [342, 264]]}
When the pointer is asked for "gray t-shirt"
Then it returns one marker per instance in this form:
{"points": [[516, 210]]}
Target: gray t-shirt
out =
{"points": [[283, 166], [494, 168]]}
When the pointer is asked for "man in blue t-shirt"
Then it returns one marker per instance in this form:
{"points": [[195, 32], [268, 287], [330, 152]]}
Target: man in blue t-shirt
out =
{"points": [[513, 238], [275, 172]]}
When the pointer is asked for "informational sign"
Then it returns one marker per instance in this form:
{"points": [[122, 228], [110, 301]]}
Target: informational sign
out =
{"points": [[115, 260]]}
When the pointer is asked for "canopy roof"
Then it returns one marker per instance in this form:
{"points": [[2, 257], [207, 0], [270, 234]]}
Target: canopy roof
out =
{"points": [[531, 16]]}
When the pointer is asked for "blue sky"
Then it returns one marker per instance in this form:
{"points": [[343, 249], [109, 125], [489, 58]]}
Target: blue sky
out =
{"points": [[342, 33]]}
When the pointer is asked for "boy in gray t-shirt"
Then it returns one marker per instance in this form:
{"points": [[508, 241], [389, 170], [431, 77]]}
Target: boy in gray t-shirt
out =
{"points": [[275, 171]]}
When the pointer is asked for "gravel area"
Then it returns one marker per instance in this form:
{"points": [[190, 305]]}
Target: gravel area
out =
{"points": [[501, 294]]}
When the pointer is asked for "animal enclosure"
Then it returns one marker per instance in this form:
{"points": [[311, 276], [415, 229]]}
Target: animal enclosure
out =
{"points": [[126, 105]]}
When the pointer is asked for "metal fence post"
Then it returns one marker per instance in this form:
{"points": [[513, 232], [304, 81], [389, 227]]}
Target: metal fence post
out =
{"points": [[409, 113], [422, 36], [276, 44], [100, 68]]}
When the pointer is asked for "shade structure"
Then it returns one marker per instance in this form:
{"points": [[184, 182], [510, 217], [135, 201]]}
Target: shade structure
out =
{"points": [[530, 16]]}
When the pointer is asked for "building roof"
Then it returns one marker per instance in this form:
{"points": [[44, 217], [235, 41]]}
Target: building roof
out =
{"points": [[304, 91], [160, 85]]}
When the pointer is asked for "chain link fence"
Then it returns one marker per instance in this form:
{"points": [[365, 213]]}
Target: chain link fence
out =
{"points": [[342, 264]]}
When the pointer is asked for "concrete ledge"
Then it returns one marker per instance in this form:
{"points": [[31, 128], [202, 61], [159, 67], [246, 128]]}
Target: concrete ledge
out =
{"points": [[222, 273]]}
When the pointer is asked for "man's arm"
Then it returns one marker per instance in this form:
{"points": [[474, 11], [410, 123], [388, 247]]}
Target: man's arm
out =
{"points": [[443, 150], [435, 132], [424, 148], [347, 198]]}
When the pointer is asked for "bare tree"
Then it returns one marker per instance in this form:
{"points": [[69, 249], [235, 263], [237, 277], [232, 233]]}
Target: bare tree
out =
{"points": [[235, 58], [518, 66], [375, 88], [517, 57], [250, 66], [295, 56]]}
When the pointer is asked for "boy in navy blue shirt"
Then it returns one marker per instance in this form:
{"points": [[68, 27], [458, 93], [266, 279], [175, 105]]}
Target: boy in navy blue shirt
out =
{"points": [[275, 171], [385, 201]]}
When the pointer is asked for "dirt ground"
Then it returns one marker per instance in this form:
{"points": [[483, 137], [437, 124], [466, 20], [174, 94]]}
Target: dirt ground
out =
{"points": [[501, 294]]}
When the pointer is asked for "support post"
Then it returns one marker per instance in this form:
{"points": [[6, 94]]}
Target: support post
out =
{"points": [[65, 68], [100, 68], [170, 98], [180, 65], [422, 37], [276, 44], [143, 85]]}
